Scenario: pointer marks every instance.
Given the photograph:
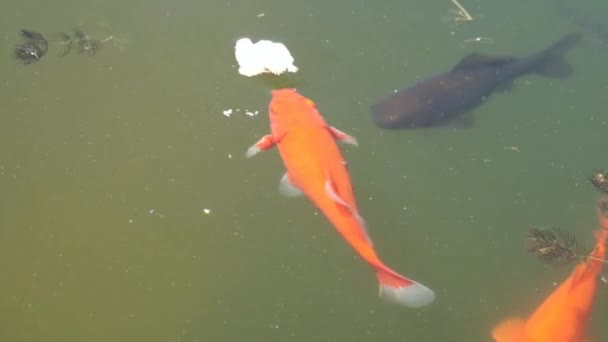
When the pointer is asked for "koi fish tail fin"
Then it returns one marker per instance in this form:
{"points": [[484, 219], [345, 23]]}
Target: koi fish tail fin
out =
{"points": [[400, 290], [511, 330]]}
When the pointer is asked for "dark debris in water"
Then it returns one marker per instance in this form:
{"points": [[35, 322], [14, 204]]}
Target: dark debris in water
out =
{"points": [[32, 48], [599, 179], [553, 246], [87, 45]]}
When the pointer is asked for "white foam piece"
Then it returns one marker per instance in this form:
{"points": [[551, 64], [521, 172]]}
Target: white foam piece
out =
{"points": [[415, 295], [264, 56]]}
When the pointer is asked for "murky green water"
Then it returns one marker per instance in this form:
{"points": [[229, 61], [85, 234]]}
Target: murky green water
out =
{"points": [[129, 213]]}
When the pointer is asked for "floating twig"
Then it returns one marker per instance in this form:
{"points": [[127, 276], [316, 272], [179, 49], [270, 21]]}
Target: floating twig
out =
{"points": [[552, 246], [460, 13], [556, 246]]}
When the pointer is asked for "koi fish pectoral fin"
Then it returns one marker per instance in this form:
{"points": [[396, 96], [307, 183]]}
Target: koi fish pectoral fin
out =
{"points": [[331, 192], [263, 144], [287, 188], [343, 137], [512, 330]]}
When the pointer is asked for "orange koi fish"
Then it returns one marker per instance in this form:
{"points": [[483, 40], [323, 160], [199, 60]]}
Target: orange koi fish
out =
{"points": [[564, 315], [316, 168]]}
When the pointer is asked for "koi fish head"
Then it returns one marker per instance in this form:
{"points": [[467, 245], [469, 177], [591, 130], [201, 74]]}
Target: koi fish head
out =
{"points": [[289, 109], [288, 100]]}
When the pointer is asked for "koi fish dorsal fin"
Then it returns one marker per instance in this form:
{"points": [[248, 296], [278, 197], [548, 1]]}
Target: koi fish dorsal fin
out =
{"points": [[331, 192], [476, 60], [511, 330], [578, 274]]}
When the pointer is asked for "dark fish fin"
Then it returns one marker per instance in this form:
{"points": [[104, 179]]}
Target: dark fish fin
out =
{"points": [[553, 65], [505, 87], [476, 60], [462, 121], [555, 68]]}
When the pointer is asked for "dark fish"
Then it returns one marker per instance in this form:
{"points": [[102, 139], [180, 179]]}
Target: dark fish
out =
{"points": [[439, 99]]}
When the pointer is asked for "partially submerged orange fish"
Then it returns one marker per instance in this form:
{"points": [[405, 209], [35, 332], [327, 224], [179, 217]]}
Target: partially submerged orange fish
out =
{"points": [[564, 315]]}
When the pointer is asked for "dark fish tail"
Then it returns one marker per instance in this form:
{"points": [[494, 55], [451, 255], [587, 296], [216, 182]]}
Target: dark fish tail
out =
{"points": [[549, 62]]}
